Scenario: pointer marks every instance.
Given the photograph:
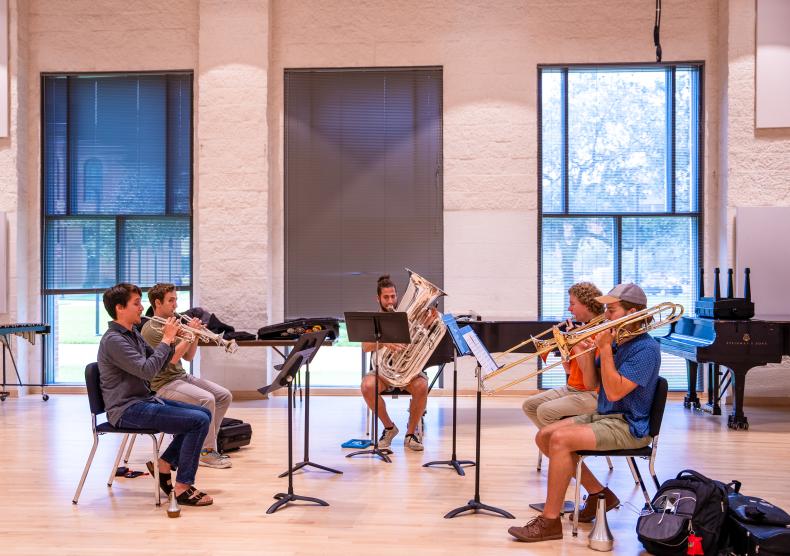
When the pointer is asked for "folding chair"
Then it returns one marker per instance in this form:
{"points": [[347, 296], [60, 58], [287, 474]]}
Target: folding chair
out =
{"points": [[648, 452], [96, 402]]}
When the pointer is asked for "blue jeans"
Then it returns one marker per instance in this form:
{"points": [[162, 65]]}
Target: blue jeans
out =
{"points": [[187, 423]]}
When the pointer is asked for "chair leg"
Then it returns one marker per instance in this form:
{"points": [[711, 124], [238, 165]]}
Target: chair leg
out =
{"points": [[368, 421], [87, 468], [609, 461], [652, 468], [157, 492], [641, 482], [633, 470], [540, 459], [117, 460], [159, 442], [576, 497], [129, 449]]}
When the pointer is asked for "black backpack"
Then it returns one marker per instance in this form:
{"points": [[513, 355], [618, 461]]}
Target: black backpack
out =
{"points": [[688, 504]]}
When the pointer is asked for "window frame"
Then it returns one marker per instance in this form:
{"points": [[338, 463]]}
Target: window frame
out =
{"points": [[698, 119], [46, 293]]}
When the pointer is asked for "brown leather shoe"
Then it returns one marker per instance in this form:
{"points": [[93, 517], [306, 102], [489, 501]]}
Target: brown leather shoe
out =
{"points": [[538, 529], [587, 512]]}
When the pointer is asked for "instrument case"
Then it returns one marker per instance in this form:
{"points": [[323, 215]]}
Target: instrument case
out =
{"points": [[292, 329], [233, 434]]}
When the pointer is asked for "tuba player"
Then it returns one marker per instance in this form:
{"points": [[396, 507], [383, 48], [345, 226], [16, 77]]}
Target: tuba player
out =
{"points": [[387, 296]]}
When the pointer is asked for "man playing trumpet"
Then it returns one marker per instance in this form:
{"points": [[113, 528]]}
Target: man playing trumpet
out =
{"points": [[126, 365], [174, 383], [627, 375]]}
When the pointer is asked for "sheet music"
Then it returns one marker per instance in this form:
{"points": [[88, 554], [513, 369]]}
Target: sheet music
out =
{"points": [[480, 352]]}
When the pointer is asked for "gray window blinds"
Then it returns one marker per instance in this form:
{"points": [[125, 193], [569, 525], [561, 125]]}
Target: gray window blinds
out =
{"points": [[363, 185]]}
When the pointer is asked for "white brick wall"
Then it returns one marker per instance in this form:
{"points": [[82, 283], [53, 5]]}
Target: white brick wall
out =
{"points": [[757, 166], [232, 185]]}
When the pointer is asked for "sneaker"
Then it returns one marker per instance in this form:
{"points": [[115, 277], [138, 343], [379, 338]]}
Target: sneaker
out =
{"points": [[412, 442], [212, 458], [538, 529], [588, 511], [387, 435]]}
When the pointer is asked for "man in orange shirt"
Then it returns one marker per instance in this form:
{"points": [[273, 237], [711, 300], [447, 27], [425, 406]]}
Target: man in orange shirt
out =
{"points": [[574, 398]]}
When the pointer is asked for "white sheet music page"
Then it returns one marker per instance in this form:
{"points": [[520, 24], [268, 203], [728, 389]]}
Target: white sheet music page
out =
{"points": [[480, 352]]}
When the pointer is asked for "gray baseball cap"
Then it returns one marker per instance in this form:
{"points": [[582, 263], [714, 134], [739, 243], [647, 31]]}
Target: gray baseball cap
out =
{"points": [[624, 292]]}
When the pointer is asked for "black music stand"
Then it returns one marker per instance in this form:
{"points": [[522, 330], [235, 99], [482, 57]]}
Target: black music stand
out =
{"points": [[285, 378], [310, 340], [461, 349], [475, 505], [379, 327]]}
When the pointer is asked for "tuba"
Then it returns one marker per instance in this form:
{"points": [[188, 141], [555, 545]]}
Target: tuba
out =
{"points": [[400, 367]]}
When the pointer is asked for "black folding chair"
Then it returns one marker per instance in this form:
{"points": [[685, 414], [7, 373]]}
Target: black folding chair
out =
{"points": [[96, 402], [648, 452]]}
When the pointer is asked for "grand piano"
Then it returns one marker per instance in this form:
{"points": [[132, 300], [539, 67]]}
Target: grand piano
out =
{"points": [[724, 334]]}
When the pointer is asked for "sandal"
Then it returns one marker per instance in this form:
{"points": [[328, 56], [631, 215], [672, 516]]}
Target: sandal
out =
{"points": [[194, 497], [165, 479]]}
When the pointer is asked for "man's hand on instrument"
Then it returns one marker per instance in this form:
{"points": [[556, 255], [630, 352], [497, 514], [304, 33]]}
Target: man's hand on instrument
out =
{"points": [[170, 330], [583, 345], [604, 339], [195, 323], [395, 347]]}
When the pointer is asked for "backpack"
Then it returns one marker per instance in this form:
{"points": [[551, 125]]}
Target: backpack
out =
{"points": [[690, 504]]}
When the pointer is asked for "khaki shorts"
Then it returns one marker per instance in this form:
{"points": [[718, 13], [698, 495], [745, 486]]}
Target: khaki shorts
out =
{"points": [[612, 432]]}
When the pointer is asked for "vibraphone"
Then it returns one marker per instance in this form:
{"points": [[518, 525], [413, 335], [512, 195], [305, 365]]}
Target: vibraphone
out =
{"points": [[29, 333]]}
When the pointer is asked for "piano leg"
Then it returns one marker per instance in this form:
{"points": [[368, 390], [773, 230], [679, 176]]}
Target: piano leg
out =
{"points": [[737, 419], [691, 399], [714, 373]]}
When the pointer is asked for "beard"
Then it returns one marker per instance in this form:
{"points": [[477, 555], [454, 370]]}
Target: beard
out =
{"points": [[387, 308]]}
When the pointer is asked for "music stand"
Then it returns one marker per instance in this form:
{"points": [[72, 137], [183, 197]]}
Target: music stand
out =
{"points": [[285, 378], [460, 348], [310, 340], [379, 327], [485, 360]]}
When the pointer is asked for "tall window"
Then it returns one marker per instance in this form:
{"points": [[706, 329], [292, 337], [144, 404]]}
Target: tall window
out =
{"points": [[363, 191], [621, 181], [117, 200]]}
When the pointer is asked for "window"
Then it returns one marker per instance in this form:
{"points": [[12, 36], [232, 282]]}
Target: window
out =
{"points": [[117, 200], [363, 191], [621, 181]]}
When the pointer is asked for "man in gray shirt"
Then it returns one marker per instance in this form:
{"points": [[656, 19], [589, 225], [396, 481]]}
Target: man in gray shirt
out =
{"points": [[126, 365]]}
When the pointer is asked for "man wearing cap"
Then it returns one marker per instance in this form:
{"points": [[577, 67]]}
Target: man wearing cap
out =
{"points": [[627, 375]]}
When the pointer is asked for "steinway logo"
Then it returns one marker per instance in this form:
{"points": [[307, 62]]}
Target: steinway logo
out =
{"points": [[746, 340]]}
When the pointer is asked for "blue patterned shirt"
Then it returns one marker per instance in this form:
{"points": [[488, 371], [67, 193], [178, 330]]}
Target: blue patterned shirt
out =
{"points": [[638, 360]]}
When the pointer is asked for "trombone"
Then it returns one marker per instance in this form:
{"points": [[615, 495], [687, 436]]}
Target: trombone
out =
{"points": [[625, 328], [189, 334]]}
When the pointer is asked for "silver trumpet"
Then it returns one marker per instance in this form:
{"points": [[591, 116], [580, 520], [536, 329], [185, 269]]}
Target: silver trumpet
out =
{"points": [[189, 334]]}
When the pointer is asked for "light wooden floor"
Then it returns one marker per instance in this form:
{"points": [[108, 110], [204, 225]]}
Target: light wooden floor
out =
{"points": [[375, 507]]}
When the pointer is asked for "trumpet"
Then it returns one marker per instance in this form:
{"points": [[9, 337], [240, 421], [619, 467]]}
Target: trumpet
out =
{"points": [[625, 327], [188, 334]]}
